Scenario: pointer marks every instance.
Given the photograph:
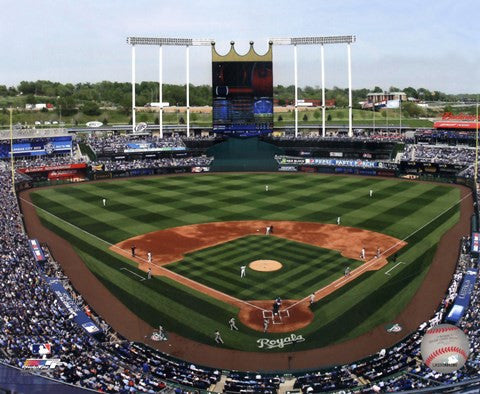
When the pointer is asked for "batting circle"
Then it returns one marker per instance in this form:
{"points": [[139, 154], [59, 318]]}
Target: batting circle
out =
{"points": [[265, 265], [445, 348]]}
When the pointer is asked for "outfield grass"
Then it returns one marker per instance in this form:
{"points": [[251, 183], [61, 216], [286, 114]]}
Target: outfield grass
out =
{"points": [[138, 206]]}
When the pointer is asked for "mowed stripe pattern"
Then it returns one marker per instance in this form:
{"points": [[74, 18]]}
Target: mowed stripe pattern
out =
{"points": [[306, 268], [142, 205], [138, 206]]}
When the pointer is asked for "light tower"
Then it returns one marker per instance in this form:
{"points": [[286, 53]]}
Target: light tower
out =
{"points": [[160, 42], [321, 41]]}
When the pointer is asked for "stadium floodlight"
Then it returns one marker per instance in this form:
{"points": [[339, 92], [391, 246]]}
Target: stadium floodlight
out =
{"points": [[167, 41], [160, 42], [314, 40], [325, 40], [281, 41]]}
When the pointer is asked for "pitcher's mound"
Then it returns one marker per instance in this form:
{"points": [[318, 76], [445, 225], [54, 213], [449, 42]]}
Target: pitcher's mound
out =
{"points": [[265, 265]]}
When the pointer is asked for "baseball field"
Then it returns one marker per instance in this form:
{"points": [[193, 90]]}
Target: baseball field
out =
{"points": [[202, 229]]}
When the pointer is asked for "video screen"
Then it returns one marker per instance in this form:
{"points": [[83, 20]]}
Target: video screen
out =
{"points": [[242, 98]]}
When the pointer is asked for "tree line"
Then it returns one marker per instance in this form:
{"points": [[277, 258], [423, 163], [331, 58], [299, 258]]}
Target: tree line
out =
{"points": [[89, 97]]}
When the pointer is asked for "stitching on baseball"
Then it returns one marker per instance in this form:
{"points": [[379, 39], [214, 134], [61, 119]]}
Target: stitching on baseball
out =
{"points": [[441, 330], [443, 350]]}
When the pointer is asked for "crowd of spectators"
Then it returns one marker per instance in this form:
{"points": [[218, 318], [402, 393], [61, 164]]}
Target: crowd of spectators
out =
{"points": [[117, 143], [400, 367], [122, 165], [439, 154], [42, 161], [358, 135], [32, 314]]}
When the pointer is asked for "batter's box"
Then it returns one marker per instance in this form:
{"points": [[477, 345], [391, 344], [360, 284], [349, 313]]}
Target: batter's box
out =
{"points": [[278, 318]]}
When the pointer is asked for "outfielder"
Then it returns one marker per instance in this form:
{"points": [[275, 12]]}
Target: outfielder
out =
{"points": [[371, 193], [232, 324], [338, 221], [243, 271], [266, 188], [104, 201]]}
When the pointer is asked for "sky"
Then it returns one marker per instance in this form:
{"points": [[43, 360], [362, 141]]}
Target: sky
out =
{"points": [[430, 43]]}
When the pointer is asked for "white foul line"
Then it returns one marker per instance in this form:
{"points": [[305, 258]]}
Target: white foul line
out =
{"points": [[140, 258], [387, 273], [356, 272], [126, 269]]}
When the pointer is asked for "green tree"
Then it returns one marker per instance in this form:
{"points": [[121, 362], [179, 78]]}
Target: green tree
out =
{"points": [[305, 118], [412, 109], [280, 118], [377, 89], [91, 108], [67, 105], [30, 99], [329, 117], [411, 92], [317, 114]]}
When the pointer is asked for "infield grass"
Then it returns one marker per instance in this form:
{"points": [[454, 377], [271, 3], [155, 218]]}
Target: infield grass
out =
{"points": [[137, 206]]}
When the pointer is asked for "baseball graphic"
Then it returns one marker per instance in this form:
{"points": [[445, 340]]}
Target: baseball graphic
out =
{"points": [[445, 348]]}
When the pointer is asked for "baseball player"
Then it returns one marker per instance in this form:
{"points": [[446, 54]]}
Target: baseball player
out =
{"points": [[149, 257], [266, 188], [278, 300], [243, 269], [232, 324], [149, 273], [338, 221], [133, 250], [104, 201], [362, 254], [265, 325], [218, 337], [161, 333], [312, 298], [275, 308], [371, 193], [378, 253], [347, 271], [267, 230]]}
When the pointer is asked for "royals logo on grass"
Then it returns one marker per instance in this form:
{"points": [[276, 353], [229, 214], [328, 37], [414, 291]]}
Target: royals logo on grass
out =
{"points": [[393, 327], [265, 343]]}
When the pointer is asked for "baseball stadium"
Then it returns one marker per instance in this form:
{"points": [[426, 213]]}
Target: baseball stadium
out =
{"points": [[240, 257]]}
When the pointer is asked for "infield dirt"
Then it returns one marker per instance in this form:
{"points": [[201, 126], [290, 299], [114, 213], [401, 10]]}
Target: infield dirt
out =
{"points": [[172, 244]]}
